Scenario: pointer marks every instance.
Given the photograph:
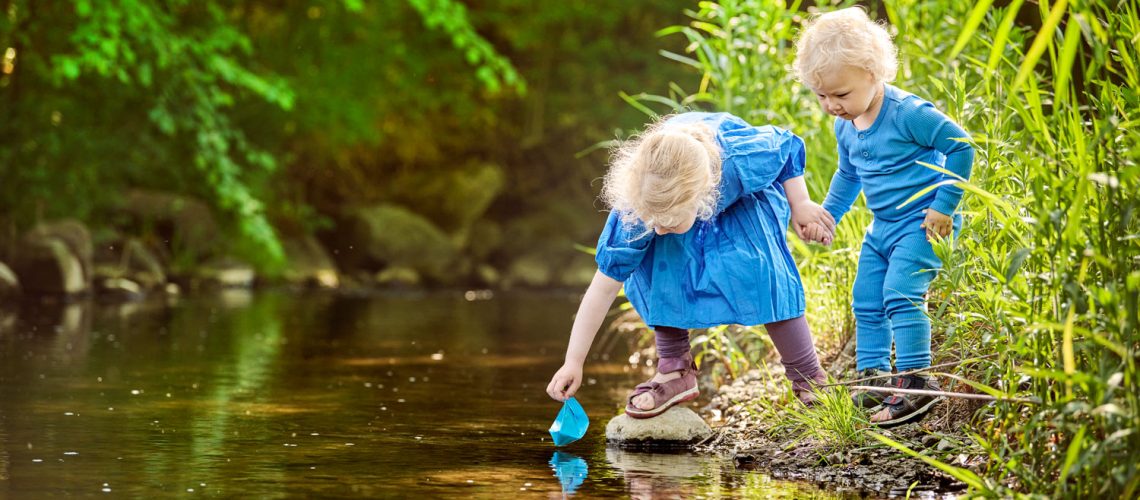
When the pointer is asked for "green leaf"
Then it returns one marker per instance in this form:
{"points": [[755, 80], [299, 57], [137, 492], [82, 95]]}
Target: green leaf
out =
{"points": [[1015, 262], [965, 475], [639, 106], [1068, 54], [922, 192], [1071, 455], [1043, 39], [971, 26]]}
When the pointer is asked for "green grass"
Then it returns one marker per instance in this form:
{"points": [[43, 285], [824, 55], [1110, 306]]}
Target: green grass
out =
{"points": [[832, 424]]}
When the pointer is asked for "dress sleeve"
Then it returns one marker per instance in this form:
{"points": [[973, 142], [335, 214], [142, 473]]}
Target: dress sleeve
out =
{"points": [[929, 127], [621, 249], [845, 185], [764, 155], [794, 157]]}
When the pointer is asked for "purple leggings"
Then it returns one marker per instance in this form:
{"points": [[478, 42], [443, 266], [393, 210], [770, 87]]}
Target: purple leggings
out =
{"points": [[792, 338]]}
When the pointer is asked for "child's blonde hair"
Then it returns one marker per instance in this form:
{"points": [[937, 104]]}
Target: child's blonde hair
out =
{"points": [[662, 171], [846, 37]]}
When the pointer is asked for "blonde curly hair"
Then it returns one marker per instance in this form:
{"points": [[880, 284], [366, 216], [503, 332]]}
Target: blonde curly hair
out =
{"points": [[845, 37], [661, 174]]}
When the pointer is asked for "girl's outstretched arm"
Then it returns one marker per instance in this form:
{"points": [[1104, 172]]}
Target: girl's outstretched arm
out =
{"points": [[591, 312]]}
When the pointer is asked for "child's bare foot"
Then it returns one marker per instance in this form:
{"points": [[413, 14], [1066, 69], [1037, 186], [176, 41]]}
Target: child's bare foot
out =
{"points": [[645, 401]]}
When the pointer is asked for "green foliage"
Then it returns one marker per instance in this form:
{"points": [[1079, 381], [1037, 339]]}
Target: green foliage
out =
{"points": [[1047, 269], [203, 98], [451, 16], [1044, 273], [165, 74], [383, 115]]}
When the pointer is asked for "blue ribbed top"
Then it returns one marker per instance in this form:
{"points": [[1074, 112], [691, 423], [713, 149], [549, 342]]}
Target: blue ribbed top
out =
{"points": [[882, 160]]}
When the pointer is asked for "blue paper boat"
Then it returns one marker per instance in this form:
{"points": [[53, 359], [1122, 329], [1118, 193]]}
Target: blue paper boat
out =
{"points": [[571, 423]]}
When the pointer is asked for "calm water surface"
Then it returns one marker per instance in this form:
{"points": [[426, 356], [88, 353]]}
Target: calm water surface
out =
{"points": [[280, 395]]}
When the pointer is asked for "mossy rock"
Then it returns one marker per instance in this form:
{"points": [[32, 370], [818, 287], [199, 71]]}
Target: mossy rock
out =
{"points": [[382, 236], [224, 273], [75, 235], [47, 266], [130, 259], [534, 270], [398, 276], [308, 263], [9, 283], [184, 226]]}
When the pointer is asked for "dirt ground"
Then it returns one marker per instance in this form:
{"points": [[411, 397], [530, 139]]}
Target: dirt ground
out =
{"points": [[755, 441]]}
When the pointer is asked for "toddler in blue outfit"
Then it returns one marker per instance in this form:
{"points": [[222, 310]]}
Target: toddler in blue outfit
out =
{"points": [[883, 133], [697, 234]]}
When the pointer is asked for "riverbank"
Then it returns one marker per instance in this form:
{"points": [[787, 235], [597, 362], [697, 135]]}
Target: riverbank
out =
{"points": [[759, 424]]}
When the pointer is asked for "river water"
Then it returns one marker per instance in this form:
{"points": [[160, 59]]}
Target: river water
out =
{"points": [[273, 394]]}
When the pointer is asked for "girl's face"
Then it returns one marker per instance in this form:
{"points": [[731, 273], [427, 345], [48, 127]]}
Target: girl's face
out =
{"points": [[847, 93], [681, 223]]}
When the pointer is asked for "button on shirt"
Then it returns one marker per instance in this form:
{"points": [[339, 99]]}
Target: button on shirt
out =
{"points": [[883, 160]]}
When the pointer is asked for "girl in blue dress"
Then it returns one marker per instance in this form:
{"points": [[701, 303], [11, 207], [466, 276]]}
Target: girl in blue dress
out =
{"points": [[701, 204]]}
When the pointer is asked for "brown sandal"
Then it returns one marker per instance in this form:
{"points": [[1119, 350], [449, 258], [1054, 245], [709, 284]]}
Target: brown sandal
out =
{"points": [[670, 393]]}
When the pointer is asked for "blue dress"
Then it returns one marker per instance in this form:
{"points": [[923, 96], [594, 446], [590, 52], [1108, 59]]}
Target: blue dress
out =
{"points": [[735, 268]]}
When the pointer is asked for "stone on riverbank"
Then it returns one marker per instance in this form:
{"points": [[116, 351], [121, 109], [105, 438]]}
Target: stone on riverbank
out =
{"points": [[129, 259], [47, 266], [54, 259], [184, 225], [382, 236], [678, 427], [9, 283], [309, 263], [225, 273], [72, 233], [119, 289]]}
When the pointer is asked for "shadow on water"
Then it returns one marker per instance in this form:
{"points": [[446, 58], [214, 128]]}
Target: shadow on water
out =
{"points": [[273, 394]]}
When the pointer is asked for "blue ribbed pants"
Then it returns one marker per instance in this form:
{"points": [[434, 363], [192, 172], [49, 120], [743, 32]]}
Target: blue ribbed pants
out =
{"points": [[896, 266]]}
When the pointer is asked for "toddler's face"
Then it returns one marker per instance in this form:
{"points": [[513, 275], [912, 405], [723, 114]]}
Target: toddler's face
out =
{"points": [[847, 93], [679, 224]]}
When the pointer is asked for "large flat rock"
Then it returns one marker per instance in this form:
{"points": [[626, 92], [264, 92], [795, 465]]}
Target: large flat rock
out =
{"points": [[678, 427]]}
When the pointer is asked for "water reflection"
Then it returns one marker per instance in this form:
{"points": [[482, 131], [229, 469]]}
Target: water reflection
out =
{"points": [[657, 475], [268, 395], [569, 469]]}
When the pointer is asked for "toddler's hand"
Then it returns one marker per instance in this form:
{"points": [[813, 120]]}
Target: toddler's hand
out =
{"points": [[565, 382], [937, 224], [809, 213], [818, 233]]}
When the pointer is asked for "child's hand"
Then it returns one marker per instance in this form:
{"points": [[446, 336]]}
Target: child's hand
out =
{"points": [[937, 224], [565, 382], [808, 213], [817, 233]]}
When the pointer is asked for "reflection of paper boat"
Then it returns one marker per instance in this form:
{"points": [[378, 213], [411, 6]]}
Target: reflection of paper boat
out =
{"points": [[570, 470], [571, 423]]}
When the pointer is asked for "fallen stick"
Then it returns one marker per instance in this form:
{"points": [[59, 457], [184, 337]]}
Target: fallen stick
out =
{"points": [[909, 372], [961, 395]]}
